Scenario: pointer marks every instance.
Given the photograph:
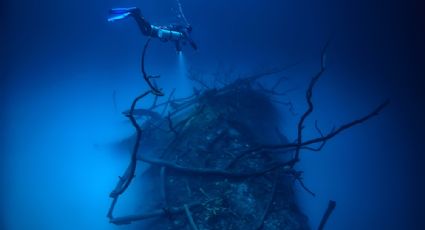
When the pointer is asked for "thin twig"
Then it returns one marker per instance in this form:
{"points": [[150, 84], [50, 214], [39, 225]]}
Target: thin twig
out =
{"points": [[298, 177], [318, 149], [147, 77], [155, 101], [167, 103], [269, 204], [309, 95], [189, 217], [301, 181], [163, 183]]}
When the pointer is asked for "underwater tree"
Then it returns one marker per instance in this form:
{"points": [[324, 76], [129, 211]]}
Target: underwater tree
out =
{"points": [[217, 159]]}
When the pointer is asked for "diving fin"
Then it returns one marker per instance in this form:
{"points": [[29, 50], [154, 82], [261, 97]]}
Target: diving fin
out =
{"points": [[124, 10], [121, 13], [118, 17]]}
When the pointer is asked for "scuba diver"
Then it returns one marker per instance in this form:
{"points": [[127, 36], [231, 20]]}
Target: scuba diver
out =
{"points": [[177, 33]]}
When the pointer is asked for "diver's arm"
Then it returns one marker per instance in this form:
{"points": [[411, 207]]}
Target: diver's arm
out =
{"points": [[186, 34], [192, 43], [178, 46]]}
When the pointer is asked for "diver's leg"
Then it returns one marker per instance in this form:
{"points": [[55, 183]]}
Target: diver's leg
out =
{"points": [[121, 13], [144, 25]]}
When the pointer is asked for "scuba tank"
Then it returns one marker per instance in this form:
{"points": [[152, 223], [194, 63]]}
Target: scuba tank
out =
{"points": [[167, 34]]}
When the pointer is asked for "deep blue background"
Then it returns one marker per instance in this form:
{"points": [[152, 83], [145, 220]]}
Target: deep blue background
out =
{"points": [[61, 62]]}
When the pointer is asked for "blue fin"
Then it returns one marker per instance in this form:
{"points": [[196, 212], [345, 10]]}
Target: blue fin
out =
{"points": [[118, 17], [122, 10]]}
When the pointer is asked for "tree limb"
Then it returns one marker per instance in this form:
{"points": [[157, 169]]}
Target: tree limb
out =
{"points": [[212, 172], [308, 96], [129, 174], [326, 137], [164, 212], [328, 212], [147, 77]]}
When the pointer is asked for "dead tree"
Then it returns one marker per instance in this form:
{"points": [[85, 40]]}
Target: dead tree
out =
{"points": [[237, 155]]}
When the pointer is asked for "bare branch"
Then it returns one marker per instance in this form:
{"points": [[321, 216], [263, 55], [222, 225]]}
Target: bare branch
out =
{"points": [[154, 102], [318, 149], [195, 77], [328, 212], [164, 212], [189, 217], [269, 204], [273, 91], [326, 137], [170, 125], [129, 174], [147, 77], [125, 180], [298, 177], [167, 103], [269, 72], [112, 207], [309, 95]]}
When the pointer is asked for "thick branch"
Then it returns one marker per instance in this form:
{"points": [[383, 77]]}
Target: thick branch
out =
{"points": [[164, 212], [129, 174], [212, 172], [126, 179], [328, 212], [146, 77]]}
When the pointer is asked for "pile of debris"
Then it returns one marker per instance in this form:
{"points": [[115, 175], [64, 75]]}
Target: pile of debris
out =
{"points": [[217, 159], [220, 188]]}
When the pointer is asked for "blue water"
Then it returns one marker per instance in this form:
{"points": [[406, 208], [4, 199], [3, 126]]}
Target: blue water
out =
{"points": [[62, 62]]}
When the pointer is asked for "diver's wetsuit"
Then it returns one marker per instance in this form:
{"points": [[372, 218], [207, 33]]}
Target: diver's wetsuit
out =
{"points": [[176, 33]]}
